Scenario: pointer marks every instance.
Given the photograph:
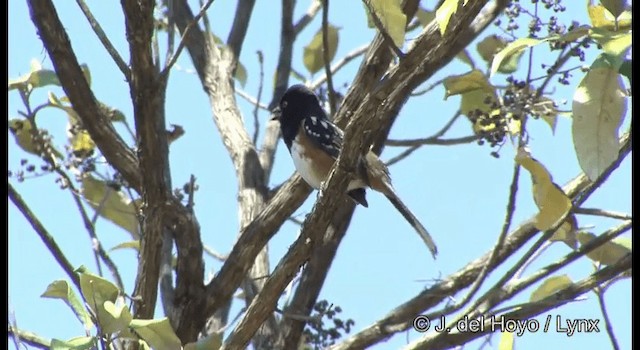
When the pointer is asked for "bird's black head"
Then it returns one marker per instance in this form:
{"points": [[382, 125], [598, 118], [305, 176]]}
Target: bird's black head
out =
{"points": [[297, 103]]}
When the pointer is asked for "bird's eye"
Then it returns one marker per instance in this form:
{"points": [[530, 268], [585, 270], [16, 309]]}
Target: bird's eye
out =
{"points": [[284, 104]]}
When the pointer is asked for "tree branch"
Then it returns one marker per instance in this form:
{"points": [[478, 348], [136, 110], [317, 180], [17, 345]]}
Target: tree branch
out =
{"points": [[381, 29], [148, 90], [325, 55], [401, 318], [104, 39], [602, 212], [29, 338], [44, 235], [74, 84], [238, 30], [532, 310]]}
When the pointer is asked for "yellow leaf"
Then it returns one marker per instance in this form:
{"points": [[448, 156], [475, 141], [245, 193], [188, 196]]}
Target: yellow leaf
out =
{"points": [[512, 49], [313, 57], [608, 253], [460, 84], [567, 232], [545, 108], [550, 286], [506, 340], [549, 197], [393, 20], [574, 34], [602, 18], [111, 204], [444, 13], [22, 131], [599, 105], [491, 45], [614, 43]]}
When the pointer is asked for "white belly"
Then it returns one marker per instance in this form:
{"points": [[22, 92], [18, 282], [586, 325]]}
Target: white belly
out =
{"points": [[305, 170], [303, 167]]}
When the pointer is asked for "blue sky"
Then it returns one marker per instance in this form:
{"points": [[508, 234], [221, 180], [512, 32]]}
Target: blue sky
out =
{"points": [[458, 192]]}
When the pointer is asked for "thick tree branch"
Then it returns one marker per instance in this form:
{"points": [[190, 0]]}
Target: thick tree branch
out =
{"points": [[283, 70], [74, 84], [239, 27], [147, 94]]}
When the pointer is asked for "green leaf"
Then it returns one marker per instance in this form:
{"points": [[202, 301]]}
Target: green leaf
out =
{"points": [[425, 17], [512, 49], [553, 203], [393, 20], [491, 45], [135, 245], [60, 289], [77, 343], [313, 57], [111, 204], [474, 88], [22, 131], [625, 69], [614, 44], [615, 7], [157, 333], [608, 253], [599, 105], [550, 286], [96, 290], [465, 57], [460, 84], [118, 317], [37, 77]]}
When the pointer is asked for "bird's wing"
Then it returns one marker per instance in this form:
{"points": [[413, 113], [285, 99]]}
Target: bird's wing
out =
{"points": [[324, 134]]}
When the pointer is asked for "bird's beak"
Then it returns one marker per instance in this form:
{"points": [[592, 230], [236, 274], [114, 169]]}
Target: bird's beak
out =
{"points": [[276, 113]]}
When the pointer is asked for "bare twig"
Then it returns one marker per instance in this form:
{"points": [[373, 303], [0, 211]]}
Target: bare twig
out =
{"points": [[174, 57], [428, 88], [511, 207], [357, 52], [325, 55], [435, 141], [256, 122], [124, 68], [382, 30], [254, 101], [602, 212], [214, 254], [312, 11], [605, 315], [45, 236]]}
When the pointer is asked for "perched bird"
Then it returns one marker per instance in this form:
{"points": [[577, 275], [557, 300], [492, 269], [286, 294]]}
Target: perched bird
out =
{"points": [[315, 142]]}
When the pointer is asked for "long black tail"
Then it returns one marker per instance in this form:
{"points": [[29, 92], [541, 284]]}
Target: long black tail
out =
{"points": [[415, 223]]}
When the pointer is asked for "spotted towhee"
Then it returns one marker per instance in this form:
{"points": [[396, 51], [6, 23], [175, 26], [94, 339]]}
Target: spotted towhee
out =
{"points": [[315, 142]]}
